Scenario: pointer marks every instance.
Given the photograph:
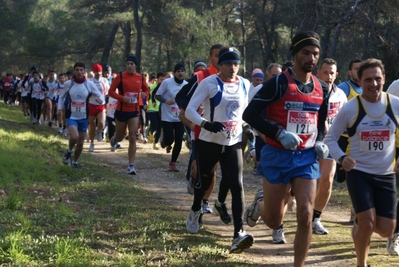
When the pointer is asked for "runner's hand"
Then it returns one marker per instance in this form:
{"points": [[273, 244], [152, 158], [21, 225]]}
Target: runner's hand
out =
{"points": [[289, 140], [321, 150], [214, 126]]}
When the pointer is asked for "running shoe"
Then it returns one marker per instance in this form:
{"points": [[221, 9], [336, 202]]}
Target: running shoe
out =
{"points": [[205, 207], [241, 242], [173, 167], [67, 157], [65, 132], [393, 244], [91, 147], [278, 236], [318, 227], [75, 164], [131, 169], [168, 149], [60, 130], [222, 211], [192, 223], [252, 213], [99, 136]]}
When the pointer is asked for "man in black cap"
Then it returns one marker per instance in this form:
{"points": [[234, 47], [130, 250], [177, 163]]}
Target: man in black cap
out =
{"points": [[173, 129], [295, 103]]}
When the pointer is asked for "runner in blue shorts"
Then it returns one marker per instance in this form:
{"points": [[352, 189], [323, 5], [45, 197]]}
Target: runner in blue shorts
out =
{"points": [[293, 124], [77, 91]]}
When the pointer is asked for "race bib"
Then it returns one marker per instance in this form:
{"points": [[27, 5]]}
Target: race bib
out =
{"points": [[175, 110], [133, 97], [78, 109], [332, 111], [231, 129], [111, 108], [38, 92], [304, 124], [374, 140]]}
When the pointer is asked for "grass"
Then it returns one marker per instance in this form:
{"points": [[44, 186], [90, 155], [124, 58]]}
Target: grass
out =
{"points": [[53, 215]]}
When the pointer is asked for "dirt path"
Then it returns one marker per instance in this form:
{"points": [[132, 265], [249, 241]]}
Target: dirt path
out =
{"points": [[171, 189]]}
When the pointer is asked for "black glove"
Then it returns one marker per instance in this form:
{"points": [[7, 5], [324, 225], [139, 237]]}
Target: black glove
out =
{"points": [[214, 126]]}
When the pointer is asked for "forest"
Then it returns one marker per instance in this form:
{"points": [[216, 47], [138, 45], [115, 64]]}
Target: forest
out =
{"points": [[55, 34]]}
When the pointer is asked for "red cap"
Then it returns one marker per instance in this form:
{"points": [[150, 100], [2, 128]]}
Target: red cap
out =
{"points": [[97, 67]]}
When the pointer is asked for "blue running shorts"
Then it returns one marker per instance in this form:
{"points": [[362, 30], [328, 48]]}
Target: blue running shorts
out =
{"points": [[80, 124], [281, 165]]}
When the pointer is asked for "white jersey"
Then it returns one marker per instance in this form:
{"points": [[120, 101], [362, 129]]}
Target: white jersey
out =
{"points": [[78, 95], [22, 89], [37, 89], [52, 87], [335, 102], [229, 98], [169, 89], [102, 85], [371, 128], [394, 88], [111, 107]]}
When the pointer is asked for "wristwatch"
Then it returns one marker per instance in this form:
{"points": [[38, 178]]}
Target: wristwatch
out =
{"points": [[341, 159]]}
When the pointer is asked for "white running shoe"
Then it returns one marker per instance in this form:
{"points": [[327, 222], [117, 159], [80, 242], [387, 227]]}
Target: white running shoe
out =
{"points": [[241, 242], [192, 223], [318, 227], [91, 147], [278, 236], [205, 207], [60, 130], [99, 136], [252, 213], [65, 132], [131, 169], [393, 244]]}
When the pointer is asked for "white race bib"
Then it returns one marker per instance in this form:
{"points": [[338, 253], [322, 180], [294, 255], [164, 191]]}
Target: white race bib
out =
{"points": [[132, 96], [374, 140], [78, 109], [230, 130]]}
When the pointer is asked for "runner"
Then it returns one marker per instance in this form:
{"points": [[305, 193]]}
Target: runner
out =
{"points": [[153, 113], [172, 127], [327, 73], [78, 91], [37, 88], [224, 97], [131, 85], [182, 99], [295, 105], [369, 161], [48, 100], [96, 110]]}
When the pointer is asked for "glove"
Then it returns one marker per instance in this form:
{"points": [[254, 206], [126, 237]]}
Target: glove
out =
{"points": [[289, 140], [214, 126], [321, 150]]}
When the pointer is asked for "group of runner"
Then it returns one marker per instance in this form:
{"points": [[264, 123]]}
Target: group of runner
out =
{"points": [[291, 121]]}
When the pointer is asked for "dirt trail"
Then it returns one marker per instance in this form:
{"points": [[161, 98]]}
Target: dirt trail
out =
{"points": [[171, 189]]}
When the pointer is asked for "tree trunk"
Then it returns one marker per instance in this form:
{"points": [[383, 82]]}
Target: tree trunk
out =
{"points": [[109, 44], [139, 33], [127, 30], [309, 23]]}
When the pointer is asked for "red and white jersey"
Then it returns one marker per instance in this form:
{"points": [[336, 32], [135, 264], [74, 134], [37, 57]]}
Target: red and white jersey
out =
{"points": [[335, 102], [297, 112], [102, 86], [7, 84]]}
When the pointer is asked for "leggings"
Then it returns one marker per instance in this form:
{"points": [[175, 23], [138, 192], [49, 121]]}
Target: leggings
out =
{"points": [[231, 164], [37, 107], [155, 125], [111, 127], [173, 133]]}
